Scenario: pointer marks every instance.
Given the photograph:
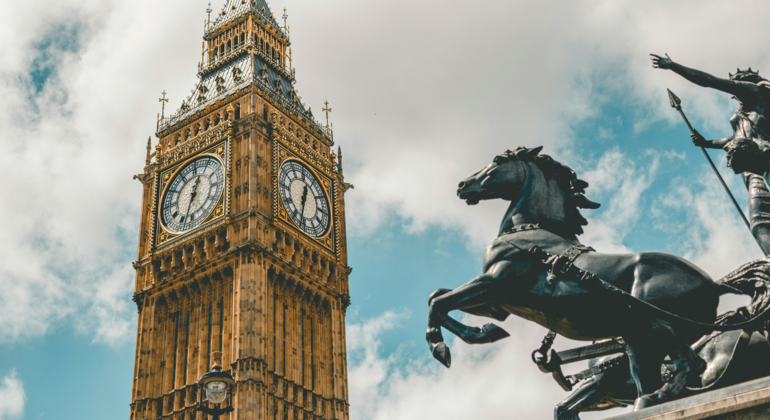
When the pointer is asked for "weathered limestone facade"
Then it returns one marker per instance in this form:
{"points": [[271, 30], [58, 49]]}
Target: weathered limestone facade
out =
{"points": [[247, 280]]}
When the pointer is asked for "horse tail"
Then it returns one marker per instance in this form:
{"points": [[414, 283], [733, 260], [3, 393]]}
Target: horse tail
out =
{"points": [[751, 279]]}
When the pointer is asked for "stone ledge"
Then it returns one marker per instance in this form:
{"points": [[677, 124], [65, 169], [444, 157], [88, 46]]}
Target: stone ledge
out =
{"points": [[749, 400]]}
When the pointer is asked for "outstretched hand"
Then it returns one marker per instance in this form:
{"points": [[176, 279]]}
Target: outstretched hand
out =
{"points": [[698, 139], [659, 62]]}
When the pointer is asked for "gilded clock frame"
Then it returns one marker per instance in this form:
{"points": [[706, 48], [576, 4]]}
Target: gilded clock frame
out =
{"points": [[220, 151], [329, 239]]}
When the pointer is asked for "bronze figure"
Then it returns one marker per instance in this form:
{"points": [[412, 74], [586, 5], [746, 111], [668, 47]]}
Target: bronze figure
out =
{"points": [[658, 303]]}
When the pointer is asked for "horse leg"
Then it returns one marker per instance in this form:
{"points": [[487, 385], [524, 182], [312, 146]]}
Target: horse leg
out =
{"points": [[590, 392], [644, 359], [474, 293], [478, 291], [686, 363], [435, 339], [646, 354]]}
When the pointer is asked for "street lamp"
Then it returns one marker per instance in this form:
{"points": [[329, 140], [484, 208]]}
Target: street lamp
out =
{"points": [[216, 384]]}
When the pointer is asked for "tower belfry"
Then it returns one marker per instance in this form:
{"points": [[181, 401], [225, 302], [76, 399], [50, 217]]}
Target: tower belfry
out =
{"points": [[242, 245]]}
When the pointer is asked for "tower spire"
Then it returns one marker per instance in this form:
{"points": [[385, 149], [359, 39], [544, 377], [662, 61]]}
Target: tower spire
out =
{"points": [[208, 19], [149, 148]]}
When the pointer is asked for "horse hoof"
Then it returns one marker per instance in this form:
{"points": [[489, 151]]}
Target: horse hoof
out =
{"points": [[643, 402], [441, 352], [493, 333]]}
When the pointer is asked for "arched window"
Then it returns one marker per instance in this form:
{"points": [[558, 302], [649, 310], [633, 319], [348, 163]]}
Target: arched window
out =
{"points": [[206, 124], [237, 111], [216, 119]]}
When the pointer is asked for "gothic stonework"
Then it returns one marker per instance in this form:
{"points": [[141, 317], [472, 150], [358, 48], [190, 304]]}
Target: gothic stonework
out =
{"points": [[222, 263]]}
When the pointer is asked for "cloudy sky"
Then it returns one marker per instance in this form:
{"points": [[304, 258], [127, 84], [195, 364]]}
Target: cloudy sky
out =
{"points": [[424, 93]]}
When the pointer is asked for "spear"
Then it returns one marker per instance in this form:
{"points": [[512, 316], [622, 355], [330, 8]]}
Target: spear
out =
{"points": [[676, 103]]}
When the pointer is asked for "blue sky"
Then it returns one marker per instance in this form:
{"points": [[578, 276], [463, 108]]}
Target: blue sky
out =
{"points": [[424, 93]]}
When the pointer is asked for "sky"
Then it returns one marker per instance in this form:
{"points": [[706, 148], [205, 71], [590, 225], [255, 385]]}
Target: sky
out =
{"points": [[423, 93]]}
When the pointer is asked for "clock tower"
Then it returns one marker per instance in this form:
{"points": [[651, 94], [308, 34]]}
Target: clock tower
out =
{"points": [[242, 245]]}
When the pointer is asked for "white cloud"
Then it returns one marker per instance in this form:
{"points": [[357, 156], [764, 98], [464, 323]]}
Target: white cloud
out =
{"points": [[78, 89], [622, 180], [490, 381], [12, 397], [440, 89]]}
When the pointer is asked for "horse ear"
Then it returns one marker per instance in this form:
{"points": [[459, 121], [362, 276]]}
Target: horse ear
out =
{"points": [[581, 201], [533, 152]]}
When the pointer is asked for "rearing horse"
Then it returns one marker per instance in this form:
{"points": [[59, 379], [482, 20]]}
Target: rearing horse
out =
{"points": [[545, 200]]}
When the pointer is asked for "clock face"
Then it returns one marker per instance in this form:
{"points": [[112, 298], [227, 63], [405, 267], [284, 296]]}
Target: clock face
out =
{"points": [[192, 194], [304, 199]]}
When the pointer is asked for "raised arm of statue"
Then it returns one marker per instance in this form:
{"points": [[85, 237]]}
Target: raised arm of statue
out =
{"points": [[744, 91], [700, 141]]}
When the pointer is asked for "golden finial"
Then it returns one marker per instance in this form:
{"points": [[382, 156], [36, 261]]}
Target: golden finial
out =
{"points": [[285, 27], [163, 101], [208, 20], [203, 51], [290, 65], [327, 110]]}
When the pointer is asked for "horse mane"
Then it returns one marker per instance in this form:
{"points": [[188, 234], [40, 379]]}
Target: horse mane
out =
{"points": [[572, 187]]}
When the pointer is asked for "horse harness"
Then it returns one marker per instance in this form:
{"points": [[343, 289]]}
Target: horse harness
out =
{"points": [[562, 267]]}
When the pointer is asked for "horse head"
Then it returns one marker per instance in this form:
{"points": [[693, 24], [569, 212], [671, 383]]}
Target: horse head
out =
{"points": [[500, 179], [541, 190]]}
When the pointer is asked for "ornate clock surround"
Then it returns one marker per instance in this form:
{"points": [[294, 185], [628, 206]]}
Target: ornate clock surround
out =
{"points": [[287, 147], [220, 149], [282, 155]]}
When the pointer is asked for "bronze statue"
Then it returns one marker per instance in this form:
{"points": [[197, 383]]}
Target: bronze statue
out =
{"points": [[748, 148], [658, 303]]}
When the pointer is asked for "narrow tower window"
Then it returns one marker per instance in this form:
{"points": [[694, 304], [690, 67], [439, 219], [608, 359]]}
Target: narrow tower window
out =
{"points": [[221, 321], [208, 346], [186, 349], [176, 348], [283, 333], [302, 344], [312, 361]]}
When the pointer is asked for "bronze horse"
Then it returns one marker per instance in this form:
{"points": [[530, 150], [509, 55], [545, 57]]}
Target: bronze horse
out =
{"points": [[544, 212]]}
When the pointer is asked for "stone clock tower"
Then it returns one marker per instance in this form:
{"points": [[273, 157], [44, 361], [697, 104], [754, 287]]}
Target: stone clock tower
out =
{"points": [[242, 246]]}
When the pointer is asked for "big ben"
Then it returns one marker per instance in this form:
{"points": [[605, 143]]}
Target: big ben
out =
{"points": [[242, 245]]}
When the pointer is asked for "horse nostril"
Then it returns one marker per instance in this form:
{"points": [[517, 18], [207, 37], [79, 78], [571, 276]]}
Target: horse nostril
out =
{"points": [[462, 184]]}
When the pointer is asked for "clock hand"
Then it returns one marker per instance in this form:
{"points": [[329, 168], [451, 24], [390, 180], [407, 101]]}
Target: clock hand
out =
{"points": [[302, 213], [192, 196]]}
